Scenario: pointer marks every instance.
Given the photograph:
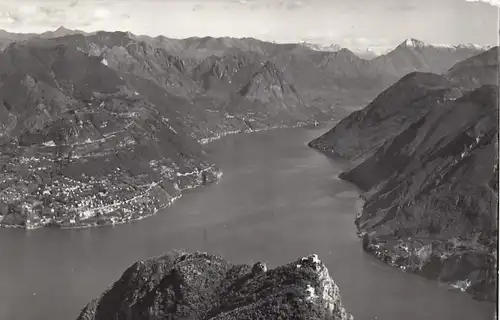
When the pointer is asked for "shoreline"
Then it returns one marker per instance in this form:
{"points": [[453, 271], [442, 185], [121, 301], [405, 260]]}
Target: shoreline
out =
{"points": [[429, 258], [424, 257], [111, 223], [208, 140]]}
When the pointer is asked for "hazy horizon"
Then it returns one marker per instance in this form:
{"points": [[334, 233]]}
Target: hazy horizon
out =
{"points": [[357, 25]]}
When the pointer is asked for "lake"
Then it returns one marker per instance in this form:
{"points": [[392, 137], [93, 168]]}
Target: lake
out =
{"points": [[277, 201]]}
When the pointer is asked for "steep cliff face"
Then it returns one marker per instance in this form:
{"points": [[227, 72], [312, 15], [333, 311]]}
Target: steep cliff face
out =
{"points": [[426, 154], [79, 148], [203, 286]]}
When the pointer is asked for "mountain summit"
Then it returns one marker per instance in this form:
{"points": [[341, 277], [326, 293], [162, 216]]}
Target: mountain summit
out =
{"points": [[202, 286], [412, 43]]}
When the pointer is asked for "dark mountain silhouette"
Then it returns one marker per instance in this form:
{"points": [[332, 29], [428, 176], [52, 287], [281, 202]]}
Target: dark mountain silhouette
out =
{"points": [[426, 153], [203, 286]]}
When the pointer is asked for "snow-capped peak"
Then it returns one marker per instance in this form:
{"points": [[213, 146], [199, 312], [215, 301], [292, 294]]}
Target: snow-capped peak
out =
{"points": [[322, 47], [469, 46], [413, 43], [473, 46]]}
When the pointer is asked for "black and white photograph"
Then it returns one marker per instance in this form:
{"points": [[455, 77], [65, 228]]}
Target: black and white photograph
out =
{"points": [[249, 159]]}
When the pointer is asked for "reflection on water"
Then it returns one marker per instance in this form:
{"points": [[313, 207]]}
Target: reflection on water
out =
{"points": [[277, 201]]}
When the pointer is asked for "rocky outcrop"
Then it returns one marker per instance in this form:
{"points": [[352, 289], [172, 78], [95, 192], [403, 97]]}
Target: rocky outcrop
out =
{"points": [[180, 285], [426, 154]]}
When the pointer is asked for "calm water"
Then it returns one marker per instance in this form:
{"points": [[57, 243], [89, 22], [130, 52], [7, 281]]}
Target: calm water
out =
{"points": [[277, 201]]}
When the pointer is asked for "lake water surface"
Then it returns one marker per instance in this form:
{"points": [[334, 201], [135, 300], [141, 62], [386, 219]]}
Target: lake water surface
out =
{"points": [[277, 201]]}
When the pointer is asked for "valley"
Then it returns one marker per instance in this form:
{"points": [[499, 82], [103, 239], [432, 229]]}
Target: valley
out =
{"points": [[215, 141], [124, 114]]}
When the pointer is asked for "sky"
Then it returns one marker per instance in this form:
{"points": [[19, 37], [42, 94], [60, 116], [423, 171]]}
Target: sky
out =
{"points": [[355, 24]]}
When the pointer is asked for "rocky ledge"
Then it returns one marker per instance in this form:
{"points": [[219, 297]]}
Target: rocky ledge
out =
{"points": [[181, 285]]}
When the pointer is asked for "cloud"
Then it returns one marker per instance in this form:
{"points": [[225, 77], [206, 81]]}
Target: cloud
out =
{"points": [[403, 7], [291, 4], [31, 16], [197, 7], [244, 2], [101, 13], [282, 4], [495, 3], [361, 44]]}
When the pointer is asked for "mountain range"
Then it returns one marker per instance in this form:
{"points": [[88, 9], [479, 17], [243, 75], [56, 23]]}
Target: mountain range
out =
{"points": [[128, 114], [425, 152]]}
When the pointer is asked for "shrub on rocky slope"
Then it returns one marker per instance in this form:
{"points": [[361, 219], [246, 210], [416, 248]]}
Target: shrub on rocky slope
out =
{"points": [[179, 285]]}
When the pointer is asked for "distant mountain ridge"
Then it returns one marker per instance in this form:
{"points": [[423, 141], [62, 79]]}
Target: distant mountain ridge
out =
{"points": [[415, 43], [303, 62], [242, 43]]}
